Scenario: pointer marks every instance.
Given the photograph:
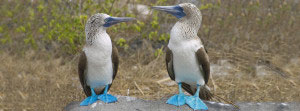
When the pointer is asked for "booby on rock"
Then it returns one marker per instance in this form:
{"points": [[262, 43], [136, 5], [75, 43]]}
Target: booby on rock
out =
{"points": [[186, 59], [98, 63]]}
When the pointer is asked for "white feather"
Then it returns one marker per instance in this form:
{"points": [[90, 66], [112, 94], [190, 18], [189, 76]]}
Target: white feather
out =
{"points": [[185, 63], [99, 61]]}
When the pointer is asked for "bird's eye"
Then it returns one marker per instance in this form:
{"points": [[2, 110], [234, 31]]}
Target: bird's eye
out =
{"points": [[105, 20]]}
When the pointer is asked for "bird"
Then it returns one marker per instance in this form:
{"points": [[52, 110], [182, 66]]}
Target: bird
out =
{"points": [[98, 61], [187, 60]]}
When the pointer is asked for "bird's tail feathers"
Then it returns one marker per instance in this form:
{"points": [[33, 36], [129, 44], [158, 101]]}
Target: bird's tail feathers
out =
{"points": [[205, 93]]}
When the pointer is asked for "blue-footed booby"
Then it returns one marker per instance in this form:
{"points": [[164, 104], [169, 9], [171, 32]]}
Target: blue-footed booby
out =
{"points": [[98, 63], [186, 58]]}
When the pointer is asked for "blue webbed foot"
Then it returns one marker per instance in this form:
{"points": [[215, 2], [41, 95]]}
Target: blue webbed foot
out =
{"points": [[195, 103], [107, 98], [89, 100], [85, 102], [177, 100]]}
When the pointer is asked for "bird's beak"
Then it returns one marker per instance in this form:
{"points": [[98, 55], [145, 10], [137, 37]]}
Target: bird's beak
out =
{"points": [[114, 20], [176, 10]]}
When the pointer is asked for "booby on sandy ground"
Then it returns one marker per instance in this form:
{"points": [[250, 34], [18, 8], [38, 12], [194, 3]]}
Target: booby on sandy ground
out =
{"points": [[186, 59], [98, 63]]}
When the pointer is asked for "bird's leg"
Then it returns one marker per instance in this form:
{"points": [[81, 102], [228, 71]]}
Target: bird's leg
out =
{"points": [[105, 92], [195, 102], [90, 100], [178, 99], [107, 98]]}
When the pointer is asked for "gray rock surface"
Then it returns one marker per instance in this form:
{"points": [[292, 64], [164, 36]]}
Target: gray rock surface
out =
{"points": [[133, 104]]}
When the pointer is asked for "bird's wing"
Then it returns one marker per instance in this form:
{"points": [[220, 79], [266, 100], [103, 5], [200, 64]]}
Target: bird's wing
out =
{"points": [[169, 63], [203, 61], [170, 69], [115, 61], [82, 65]]}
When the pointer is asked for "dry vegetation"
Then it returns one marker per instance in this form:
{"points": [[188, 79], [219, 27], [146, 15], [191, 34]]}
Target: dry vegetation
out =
{"points": [[246, 33], [33, 83]]}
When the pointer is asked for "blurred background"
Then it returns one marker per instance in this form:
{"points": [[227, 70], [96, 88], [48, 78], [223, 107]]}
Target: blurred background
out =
{"points": [[253, 45]]}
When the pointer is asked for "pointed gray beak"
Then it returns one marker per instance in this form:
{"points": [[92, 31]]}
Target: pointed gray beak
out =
{"points": [[176, 10], [114, 20]]}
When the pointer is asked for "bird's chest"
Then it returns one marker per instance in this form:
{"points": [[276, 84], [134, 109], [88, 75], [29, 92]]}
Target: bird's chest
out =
{"points": [[185, 63], [99, 67]]}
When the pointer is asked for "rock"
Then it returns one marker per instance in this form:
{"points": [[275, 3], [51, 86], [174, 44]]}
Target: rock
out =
{"points": [[269, 106], [143, 10], [126, 103], [222, 68]]}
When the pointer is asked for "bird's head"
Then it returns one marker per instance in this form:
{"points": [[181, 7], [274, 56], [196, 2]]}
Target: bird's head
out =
{"points": [[184, 10], [189, 16], [99, 23], [101, 20]]}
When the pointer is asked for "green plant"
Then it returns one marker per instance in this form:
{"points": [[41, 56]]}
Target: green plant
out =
{"points": [[158, 52], [122, 43], [58, 25]]}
